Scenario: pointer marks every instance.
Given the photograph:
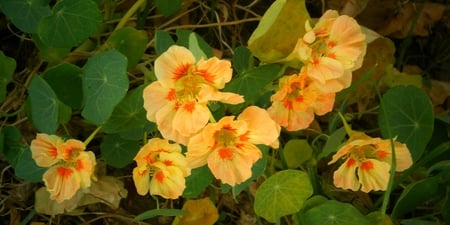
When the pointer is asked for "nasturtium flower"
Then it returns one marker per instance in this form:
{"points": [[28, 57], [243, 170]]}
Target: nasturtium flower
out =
{"points": [[70, 166], [161, 169], [296, 102], [178, 100], [368, 162], [229, 148], [331, 50]]}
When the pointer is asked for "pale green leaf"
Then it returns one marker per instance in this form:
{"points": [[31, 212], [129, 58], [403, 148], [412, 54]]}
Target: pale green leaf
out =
{"points": [[296, 152], [282, 194]]}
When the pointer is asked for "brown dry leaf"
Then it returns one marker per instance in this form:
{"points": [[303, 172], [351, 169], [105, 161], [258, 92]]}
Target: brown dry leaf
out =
{"points": [[200, 211], [380, 53], [400, 25], [439, 93]]}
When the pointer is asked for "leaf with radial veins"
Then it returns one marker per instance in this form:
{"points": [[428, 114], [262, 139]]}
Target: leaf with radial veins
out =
{"points": [[25, 14], [105, 83], [43, 106], [118, 152], [130, 42], [71, 22], [282, 194], [408, 113]]}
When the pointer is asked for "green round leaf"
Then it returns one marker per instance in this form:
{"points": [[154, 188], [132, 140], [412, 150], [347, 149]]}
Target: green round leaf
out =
{"points": [[27, 169], [43, 106], [7, 67], [128, 114], [50, 54], [25, 14], [105, 83], [242, 59], [336, 213], [130, 42], [71, 22], [118, 152], [163, 41], [282, 194], [12, 148], [199, 179], [65, 80], [414, 194], [333, 142], [168, 8], [251, 82], [408, 113], [296, 152]]}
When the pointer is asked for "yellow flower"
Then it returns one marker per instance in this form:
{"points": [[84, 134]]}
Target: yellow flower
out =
{"points": [[331, 50], [296, 102], [161, 169], [71, 167], [368, 162], [178, 100], [229, 146]]}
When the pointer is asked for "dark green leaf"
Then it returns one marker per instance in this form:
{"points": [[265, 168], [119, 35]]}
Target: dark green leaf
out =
{"points": [[105, 83], [12, 147], [408, 113], [65, 80], [118, 152], [7, 67], [128, 114], [336, 213], [251, 82], [159, 212], [199, 179], [50, 54], [43, 106], [242, 59], [414, 194], [419, 222], [167, 8], [130, 42], [333, 142], [71, 22], [27, 169], [25, 14], [163, 41]]}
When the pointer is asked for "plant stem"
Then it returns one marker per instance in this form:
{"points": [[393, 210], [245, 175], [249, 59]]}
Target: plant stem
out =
{"points": [[89, 139], [129, 13]]}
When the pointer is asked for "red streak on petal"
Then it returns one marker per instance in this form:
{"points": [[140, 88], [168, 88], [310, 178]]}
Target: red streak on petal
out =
{"points": [[382, 154], [168, 163], [288, 104], [315, 62], [367, 165], [159, 176], [171, 95], [350, 162], [226, 153], [331, 44], [80, 165], [206, 75], [64, 172], [299, 98], [190, 106], [331, 55], [53, 152], [149, 159], [180, 71]]}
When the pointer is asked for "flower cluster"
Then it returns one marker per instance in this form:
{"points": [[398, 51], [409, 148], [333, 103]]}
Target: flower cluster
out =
{"points": [[70, 166], [329, 53], [167, 166], [178, 100], [228, 146], [368, 162]]}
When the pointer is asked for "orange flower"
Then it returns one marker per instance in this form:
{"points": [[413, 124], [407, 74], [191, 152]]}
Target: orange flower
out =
{"points": [[71, 168], [167, 166], [296, 102], [368, 162], [331, 51], [229, 146], [178, 100]]}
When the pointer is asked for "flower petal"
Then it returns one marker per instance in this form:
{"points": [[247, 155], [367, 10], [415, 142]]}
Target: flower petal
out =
{"points": [[173, 64], [62, 182], [168, 183], [215, 71], [155, 97], [262, 129], [373, 175], [141, 179], [44, 149], [345, 176]]}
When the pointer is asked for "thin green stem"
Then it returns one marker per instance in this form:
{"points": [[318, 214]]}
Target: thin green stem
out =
{"points": [[390, 185], [89, 139], [348, 130], [130, 13]]}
